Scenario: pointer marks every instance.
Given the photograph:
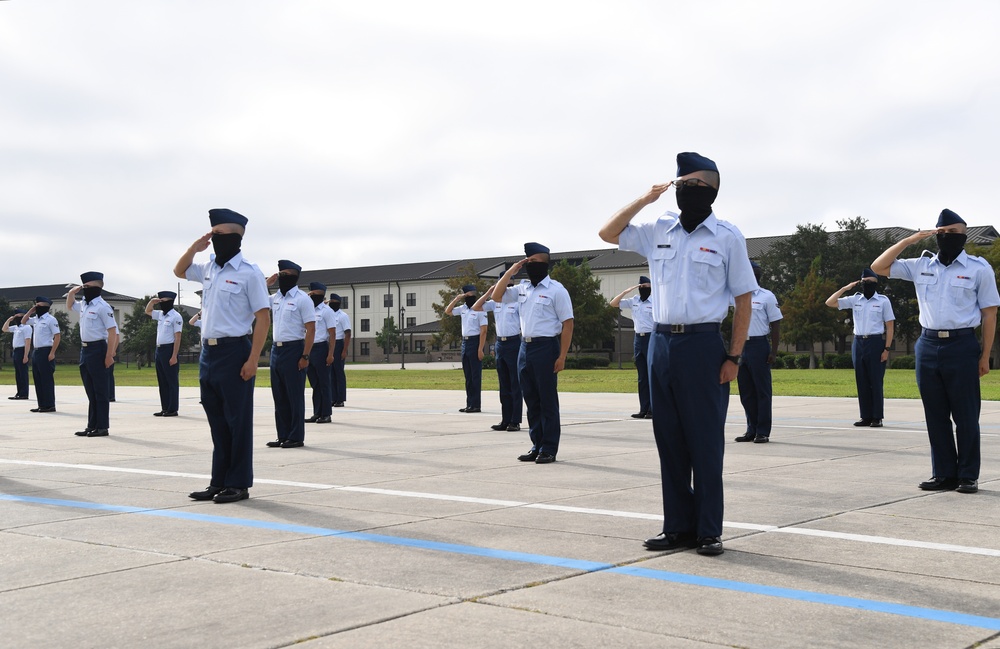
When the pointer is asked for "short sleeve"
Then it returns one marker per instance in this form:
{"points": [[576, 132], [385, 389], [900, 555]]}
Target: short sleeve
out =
{"points": [[196, 273], [887, 313], [844, 303], [636, 238], [903, 269]]}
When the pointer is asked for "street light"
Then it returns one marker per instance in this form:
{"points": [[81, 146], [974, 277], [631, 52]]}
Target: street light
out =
{"points": [[402, 339]]}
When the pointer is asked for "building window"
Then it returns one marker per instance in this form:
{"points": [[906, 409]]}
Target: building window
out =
{"points": [[365, 350], [344, 303], [365, 302], [387, 299], [411, 322], [455, 344], [411, 299], [418, 345], [366, 325]]}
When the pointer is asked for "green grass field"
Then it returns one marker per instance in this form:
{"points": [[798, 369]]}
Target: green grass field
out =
{"points": [[899, 384]]}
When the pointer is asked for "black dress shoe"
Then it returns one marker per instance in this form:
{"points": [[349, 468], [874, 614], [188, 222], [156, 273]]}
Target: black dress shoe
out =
{"points": [[170, 414], [530, 456], [876, 423], [967, 486], [545, 458], [49, 409], [939, 484], [292, 444], [17, 398], [500, 426], [463, 410], [639, 415], [323, 420], [84, 432], [710, 546], [207, 494], [231, 495], [671, 541], [761, 439], [863, 422], [745, 437], [100, 432], [649, 415], [312, 420], [276, 443], [159, 414], [473, 409], [513, 428], [338, 404]]}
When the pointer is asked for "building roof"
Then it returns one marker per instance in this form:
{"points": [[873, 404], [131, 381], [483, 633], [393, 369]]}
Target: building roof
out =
{"points": [[55, 292]]}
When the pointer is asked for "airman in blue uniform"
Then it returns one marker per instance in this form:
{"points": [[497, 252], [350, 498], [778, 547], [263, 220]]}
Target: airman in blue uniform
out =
{"points": [[507, 322], [474, 326], [45, 340], [169, 325], [754, 377], [98, 343], [641, 308], [321, 357], [20, 353]]}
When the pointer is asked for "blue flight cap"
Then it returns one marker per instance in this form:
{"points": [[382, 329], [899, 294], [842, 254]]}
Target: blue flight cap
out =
{"points": [[284, 264], [316, 286], [42, 298], [532, 248], [949, 218], [468, 287], [91, 276], [691, 162], [20, 311], [868, 272], [223, 215], [166, 295], [644, 280], [334, 297]]}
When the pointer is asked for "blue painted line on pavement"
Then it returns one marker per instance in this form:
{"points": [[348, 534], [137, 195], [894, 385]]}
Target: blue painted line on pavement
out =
{"points": [[891, 608]]}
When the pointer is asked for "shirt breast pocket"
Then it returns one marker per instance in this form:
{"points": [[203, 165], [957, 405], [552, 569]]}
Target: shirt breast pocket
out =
{"points": [[925, 285], [962, 292], [707, 268]]}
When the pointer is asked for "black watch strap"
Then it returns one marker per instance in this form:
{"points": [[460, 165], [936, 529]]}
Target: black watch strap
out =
{"points": [[734, 358]]}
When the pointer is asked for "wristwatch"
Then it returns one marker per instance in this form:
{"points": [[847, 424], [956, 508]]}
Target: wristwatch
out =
{"points": [[736, 360], [305, 357]]}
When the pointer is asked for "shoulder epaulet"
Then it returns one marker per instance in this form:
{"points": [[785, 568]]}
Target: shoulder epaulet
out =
{"points": [[927, 252]]}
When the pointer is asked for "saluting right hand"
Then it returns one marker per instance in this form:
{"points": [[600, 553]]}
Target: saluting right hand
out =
{"points": [[655, 191], [920, 236], [202, 244]]}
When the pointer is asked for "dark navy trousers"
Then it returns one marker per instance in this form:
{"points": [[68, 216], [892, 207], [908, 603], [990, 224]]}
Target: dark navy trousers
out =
{"points": [[754, 379], [20, 371], [948, 380], [869, 374], [43, 371], [689, 419], [511, 401], [472, 367], [338, 377], [168, 378], [96, 383], [320, 380], [535, 362], [288, 387], [640, 354], [228, 403]]}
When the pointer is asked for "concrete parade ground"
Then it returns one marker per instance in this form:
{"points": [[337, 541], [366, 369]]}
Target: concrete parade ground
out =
{"points": [[408, 524]]}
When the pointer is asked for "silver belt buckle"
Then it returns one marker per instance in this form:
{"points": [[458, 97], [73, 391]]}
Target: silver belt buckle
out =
{"points": [[944, 334], [84, 344], [212, 341], [677, 329], [527, 340], [278, 343]]}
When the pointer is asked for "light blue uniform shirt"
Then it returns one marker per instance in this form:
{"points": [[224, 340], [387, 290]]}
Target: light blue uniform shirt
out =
{"points": [[694, 276], [763, 311], [871, 315], [543, 308], [96, 317], [289, 314], [44, 329], [950, 297], [471, 320], [231, 296], [167, 324], [326, 319], [506, 317], [21, 333], [343, 323], [642, 313]]}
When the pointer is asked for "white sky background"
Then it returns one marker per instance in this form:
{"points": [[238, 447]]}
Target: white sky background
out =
{"points": [[366, 133]]}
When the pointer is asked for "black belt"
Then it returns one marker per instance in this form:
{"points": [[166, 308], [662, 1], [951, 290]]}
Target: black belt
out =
{"points": [[504, 339], [468, 337], [948, 333], [764, 337], [687, 328], [881, 335], [538, 339], [165, 345], [641, 335], [212, 342], [282, 343], [94, 342]]}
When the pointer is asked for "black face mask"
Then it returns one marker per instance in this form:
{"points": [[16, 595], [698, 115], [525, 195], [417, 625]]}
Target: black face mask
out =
{"points": [[317, 299], [695, 204], [41, 310], [469, 301], [166, 306], [226, 246], [644, 292], [287, 283], [335, 305], [91, 292], [537, 270], [950, 245], [868, 289]]}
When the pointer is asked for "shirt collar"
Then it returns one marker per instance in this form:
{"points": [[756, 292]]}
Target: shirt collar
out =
{"points": [[236, 260], [962, 258], [711, 222]]}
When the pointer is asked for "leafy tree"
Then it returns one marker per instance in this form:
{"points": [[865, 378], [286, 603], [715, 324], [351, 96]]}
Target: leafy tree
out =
{"points": [[593, 318], [991, 254], [451, 327], [389, 336], [807, 319], [6, 341], [138, 333]]}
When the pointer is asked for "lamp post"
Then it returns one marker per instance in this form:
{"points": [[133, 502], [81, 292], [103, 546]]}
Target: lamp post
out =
{"points": [[402, 339]]}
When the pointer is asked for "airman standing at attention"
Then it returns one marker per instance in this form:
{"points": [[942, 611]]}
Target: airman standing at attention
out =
{"points": [[507, 319], [321, 356], [338, 377], [20, 353], [642, 316], [474, 326], [45, 339], [169, 324], [99, 342], [754, 377]]}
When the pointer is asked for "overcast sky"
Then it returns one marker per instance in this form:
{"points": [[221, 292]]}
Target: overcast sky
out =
{"points": [[366, 133]]}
